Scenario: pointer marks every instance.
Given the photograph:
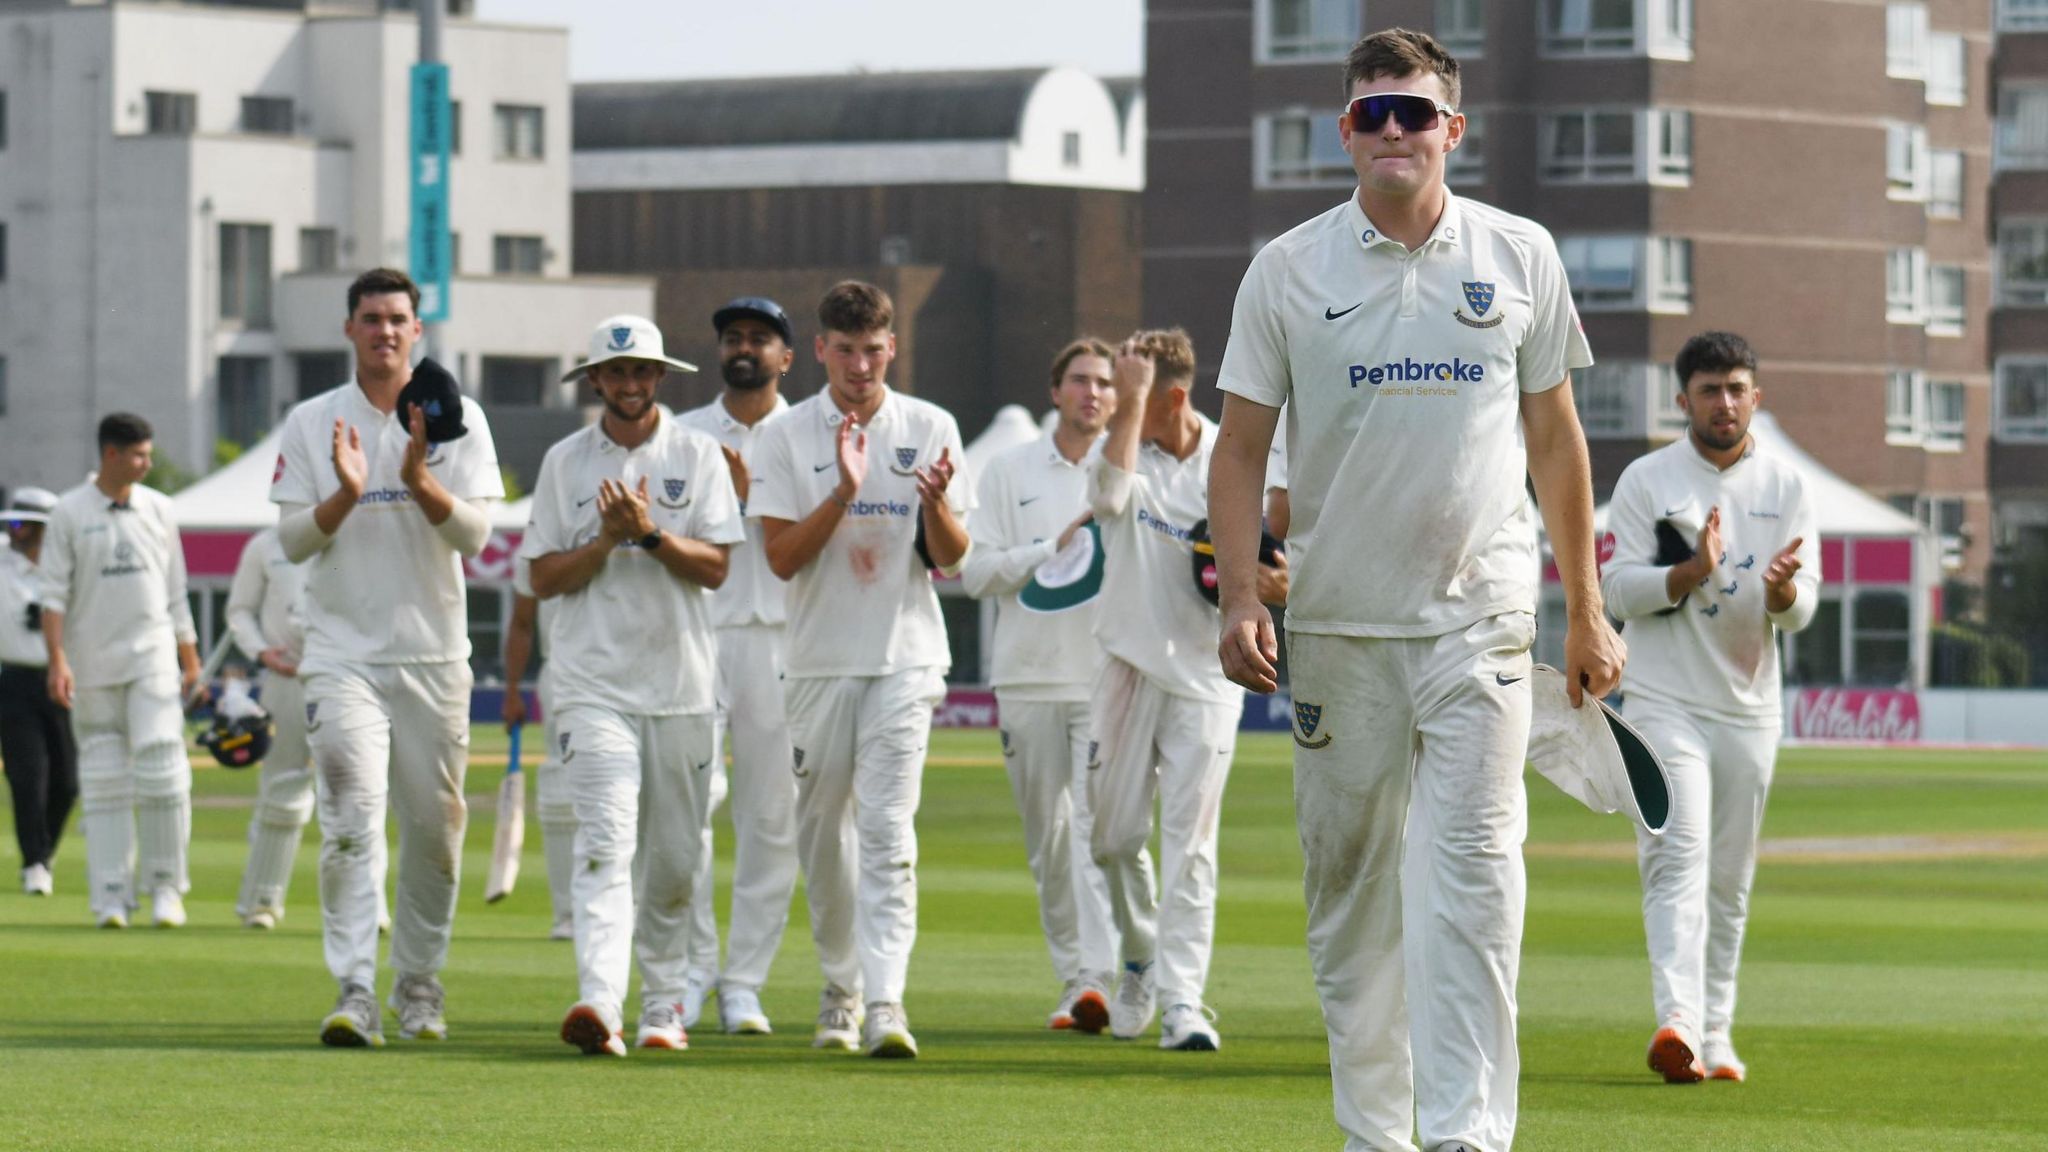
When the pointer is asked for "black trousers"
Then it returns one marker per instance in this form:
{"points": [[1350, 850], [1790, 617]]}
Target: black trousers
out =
{"points": [[41, 759]]}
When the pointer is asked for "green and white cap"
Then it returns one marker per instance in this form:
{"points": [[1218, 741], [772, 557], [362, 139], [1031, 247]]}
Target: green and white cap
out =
{"points": [[1594, 756], [1073, 576]]}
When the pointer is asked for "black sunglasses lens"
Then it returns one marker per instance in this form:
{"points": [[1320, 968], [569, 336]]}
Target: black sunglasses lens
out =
{"points": [[1413, 113]]}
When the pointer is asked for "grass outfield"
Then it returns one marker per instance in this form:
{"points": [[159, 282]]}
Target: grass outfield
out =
{"points": [[1895, 996]]}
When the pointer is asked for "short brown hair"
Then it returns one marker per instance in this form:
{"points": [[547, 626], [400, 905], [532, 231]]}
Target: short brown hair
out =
{"points": [[1171, 352], [856, 306], [1401, 52], [1085, 346], [377, 282]]}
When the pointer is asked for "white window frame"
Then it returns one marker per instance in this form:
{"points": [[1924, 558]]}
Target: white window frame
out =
{"points": [[1905, 286], [1669, 260], [1466, 165], [2022, 15], [1667, 420], [1948, 70], [1945, 184], [2028, 235], [519, 132], [1577, 252], [2032, 427], [1905, 162], [1905, 40], [1638, 400], [1905, 407], [1661, 29], [1946, 415], [1948, 297], [1668, 164], [1327, 171], [2020, 131], [1269, 49], [1461, 27], [1589, 167]]}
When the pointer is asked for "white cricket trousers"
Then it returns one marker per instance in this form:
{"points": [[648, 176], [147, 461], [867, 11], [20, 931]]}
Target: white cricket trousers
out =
{"points": [[859, 762], [1408, 796], [1697, 875], [284, 799], [1149, 742], [132, 770], [752, 712], [1045, 750], [640, 786], [393, 735], [555, 804]]}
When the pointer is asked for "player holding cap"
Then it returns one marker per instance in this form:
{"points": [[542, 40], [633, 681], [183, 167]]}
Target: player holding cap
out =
{"points": [[35, 732], [114, 620], [1033, 507], [1702, 684], [1423, 345], [265, 616], [842, 485], [389, 497], [632, 518], [754, 353], [531, 620]]}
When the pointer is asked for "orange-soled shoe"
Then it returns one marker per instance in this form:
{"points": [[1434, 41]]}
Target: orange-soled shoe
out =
{"points": [[1672, 1056]]}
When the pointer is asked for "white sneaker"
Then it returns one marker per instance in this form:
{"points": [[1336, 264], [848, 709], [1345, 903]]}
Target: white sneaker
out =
{"points": [[661, 1026], [1131, 1012], [887, 1034], [696, 986], [262, 919], [354, 1023], [1083, 1006], [114, 920], [418, 1001], [383, 922], [36, 880], [167, 908], [1186, 1028], [839, 1021], [740, 1010], [595, 1029], [564, 929], [1717, 1052]]}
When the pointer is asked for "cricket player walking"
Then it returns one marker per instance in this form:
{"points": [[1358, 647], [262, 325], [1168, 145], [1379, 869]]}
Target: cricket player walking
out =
{"points": [[1702, 684], [632, 518], [533, 620], [35, 733], [754, 354], [1423, 346], [842, 485], [1032, 509], [266, 618], [389, 517], [124, 657]]}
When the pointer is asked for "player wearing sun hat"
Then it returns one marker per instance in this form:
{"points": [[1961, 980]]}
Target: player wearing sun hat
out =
{"points": [[35, 731]]}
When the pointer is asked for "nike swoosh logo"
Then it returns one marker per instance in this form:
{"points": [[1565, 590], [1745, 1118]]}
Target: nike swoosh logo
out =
{"points": [[822, 467], [1670, 512], [585, 500], [1030, 500], [1329, 314], [1503, 679]]}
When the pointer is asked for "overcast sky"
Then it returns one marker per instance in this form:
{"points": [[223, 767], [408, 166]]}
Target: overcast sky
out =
{"points": [[641, 39]]}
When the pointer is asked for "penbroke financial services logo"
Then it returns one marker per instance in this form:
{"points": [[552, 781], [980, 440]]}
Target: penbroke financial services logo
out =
{"points": [[1456, 370]]}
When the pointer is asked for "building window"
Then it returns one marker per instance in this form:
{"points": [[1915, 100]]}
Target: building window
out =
{"points": [[1670, 146], [1589, 145], [1628, 399], [516, 381], [318, 372], [2022, 129], [1946, 296], [1905, 41], [2023, 262], [1905, 163], [2022, 15], [455, 127], [1070, 149], [3, 251], [1880, 651], [245, 274], [1948, 70], [1945, 185], [1670, 274], [1580, 27], [517, 255], [1903, 396], [1301, 149], [1944, 415], [242, 411], [454, 253], [1461, 26], [1307, 29], [2022, 402], [3, 385], [269, 114], [519, 132], [3, 119], [1905, 286], [1467, 163], [319, 249], [170, 113], [1601, 269]]}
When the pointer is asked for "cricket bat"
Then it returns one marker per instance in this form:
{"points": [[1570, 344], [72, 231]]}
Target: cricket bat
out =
{"points": [[510, 836]]}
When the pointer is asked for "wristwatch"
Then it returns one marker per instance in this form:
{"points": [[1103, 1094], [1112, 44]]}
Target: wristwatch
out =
{"points": [[651, 541]]}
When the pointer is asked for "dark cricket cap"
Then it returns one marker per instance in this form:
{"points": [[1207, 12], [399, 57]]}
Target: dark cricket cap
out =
{"points": [[757, 306], [434, 392]]}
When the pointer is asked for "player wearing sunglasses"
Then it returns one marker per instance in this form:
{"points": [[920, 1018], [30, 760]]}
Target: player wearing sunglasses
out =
{"points": [[1423, 346]]}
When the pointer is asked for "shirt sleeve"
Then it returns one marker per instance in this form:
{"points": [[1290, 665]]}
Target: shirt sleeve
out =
{"points": [[994, 567], [474, 473], [245, 597], [178, 604], [548, 532], [718, 519], [292, 482], [1276, 457], [959, 497], [1555, 344], [53, 569], [1807, 580], [1630, 581], [771, 491], [522, 578], [1109, 487], [1255, 362]]}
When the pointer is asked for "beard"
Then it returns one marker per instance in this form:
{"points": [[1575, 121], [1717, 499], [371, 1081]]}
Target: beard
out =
{"points": [[1717, 440], [623, 415], [744, 373]]}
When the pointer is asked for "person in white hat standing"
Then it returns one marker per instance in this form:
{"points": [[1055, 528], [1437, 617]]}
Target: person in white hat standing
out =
{"points": [[265, 615], [1704, 684], [35, 731], [633, 517], [386, 516]]}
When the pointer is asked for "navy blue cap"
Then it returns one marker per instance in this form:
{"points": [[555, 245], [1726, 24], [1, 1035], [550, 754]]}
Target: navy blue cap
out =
{"points": [[756, 306]]}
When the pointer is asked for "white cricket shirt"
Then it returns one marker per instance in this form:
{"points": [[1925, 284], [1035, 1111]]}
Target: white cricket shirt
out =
{"points": [[751, 594], [865, 606], [20, 590], [635, 639], [118, 576], [1402, 373], [1151, 617], [387, 589], [266, 600], [1718, 654], [1026, 497]]}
